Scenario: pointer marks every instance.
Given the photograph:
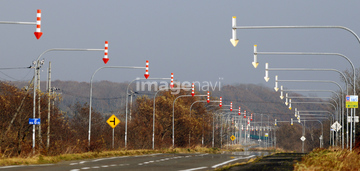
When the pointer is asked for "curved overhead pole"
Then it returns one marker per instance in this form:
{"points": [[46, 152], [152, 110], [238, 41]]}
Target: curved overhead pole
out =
{"points": [[173, 116], [324, 81], [127, 91], [202, 101], [37, 65], [90, 104], [321, 53], [234, 27], [163, 89]]}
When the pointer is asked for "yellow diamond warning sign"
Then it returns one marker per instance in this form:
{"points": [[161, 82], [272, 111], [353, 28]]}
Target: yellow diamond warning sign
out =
{"points": [[232, 138], [113, 121]]}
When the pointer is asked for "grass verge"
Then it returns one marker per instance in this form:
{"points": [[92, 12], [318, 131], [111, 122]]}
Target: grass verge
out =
{"points": [[330, 159]]}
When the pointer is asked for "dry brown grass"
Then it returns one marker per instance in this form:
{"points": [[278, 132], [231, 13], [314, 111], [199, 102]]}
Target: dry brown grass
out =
{"points": [[330, 159], [235, 147]]}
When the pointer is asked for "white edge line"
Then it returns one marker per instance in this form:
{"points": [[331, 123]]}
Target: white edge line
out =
{"points": [[13, 166], [198, 168], [215, 166], [5, 167]]}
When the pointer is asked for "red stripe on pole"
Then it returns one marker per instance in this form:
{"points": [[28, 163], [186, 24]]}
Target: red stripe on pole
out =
{"points": [[147, 70], [172, 81], [106, 58], [208, 97], [38, 32], [192, 89], [220, 102]]}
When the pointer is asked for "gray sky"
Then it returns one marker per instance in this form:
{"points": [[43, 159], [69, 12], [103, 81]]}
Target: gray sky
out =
{"points": [[189, 38]]}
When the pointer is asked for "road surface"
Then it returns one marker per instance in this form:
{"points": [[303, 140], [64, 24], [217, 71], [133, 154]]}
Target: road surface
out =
{"points": [[158, 162]]}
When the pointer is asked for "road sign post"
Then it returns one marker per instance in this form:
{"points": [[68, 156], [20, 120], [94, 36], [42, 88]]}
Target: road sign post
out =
{"points": [[353, 119], [336, 126], [34, 121], [113, 121], [352, 101], [232, 137]]}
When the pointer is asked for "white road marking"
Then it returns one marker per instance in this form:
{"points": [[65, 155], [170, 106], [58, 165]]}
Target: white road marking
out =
{"points": [[5, 167], [113, 165], [108, 158], [148, 155], [82, 162], [104, 166], [85, 168], [73, 164], [198, 168], [95, 167], [215, 166], [74, 169]]}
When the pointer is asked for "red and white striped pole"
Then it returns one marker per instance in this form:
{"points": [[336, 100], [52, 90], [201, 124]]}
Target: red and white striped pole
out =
{"points": [[38, 32], [244, 113], [248, 121], [230, 106], [251, 117], [208, 97], [239, 110], [147, 70], [172, 81], [220, 104], [106, 58], [192, 89]]}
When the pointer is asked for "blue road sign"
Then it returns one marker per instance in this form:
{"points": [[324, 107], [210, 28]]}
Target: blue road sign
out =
{"points": [[34, 121]]}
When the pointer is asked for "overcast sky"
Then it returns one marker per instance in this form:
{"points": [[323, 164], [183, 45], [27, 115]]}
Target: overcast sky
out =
{"points": [[188, 38]]}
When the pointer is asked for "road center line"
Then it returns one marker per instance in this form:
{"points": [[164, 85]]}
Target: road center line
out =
{"points": [[108, 158], [215, 166], [198, 168]]}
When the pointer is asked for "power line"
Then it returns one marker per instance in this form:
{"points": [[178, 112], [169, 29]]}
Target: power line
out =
{"points": [[99, 98]]}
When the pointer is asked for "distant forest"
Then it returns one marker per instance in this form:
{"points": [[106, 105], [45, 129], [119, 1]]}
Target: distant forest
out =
{"points": [[110, 97], [70, 117]]}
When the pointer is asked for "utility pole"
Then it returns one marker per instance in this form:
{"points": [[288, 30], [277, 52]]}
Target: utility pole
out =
{"points": [[131, 96], [49, 106], [39, 108]]}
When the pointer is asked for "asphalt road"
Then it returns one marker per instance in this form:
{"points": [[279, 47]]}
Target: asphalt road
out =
{"points": [[188, 162]]}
